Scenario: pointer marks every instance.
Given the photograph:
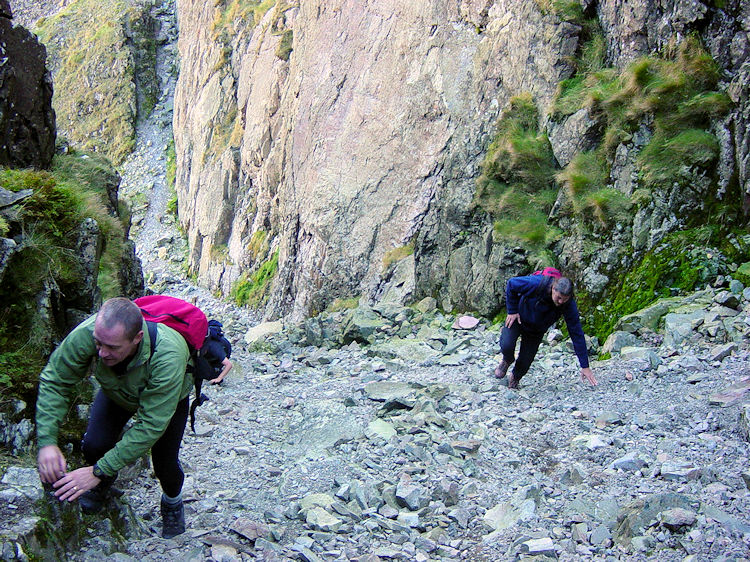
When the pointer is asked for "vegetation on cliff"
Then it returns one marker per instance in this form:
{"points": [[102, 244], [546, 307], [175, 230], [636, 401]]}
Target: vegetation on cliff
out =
{"points": [[102, 58], [517, 184], [253, 289], [673, 97], [46, 227]]}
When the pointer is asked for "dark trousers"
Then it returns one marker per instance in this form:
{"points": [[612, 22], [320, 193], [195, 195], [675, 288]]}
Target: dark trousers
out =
{"points": [[529, 346], [105, 425]]}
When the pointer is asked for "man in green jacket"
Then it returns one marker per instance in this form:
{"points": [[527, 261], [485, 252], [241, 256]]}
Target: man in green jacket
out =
{"points": [[136, 380]]}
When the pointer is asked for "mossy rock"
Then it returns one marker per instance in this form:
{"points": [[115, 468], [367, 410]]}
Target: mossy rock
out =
{"points": [[743, 274]]}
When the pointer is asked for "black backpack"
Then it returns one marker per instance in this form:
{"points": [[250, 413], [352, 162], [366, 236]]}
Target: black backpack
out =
{"points": [[216, 334]]}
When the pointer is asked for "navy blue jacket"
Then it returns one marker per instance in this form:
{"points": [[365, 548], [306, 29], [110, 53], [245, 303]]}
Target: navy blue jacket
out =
{"points": [[538, 312]]}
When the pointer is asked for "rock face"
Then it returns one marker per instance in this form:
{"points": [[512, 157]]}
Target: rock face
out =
{"points": [[368, 136], [27, 120], [365, 138]]}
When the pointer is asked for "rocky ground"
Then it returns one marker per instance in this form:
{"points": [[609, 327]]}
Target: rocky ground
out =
{"points": [[381, 435], [408, 449]]}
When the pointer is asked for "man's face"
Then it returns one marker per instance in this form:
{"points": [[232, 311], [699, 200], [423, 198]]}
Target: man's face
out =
{"points": [[112, 343], [558, 298]]}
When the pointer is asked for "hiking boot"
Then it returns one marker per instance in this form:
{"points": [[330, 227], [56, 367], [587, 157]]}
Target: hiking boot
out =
{"points": [[512, 381], [172, 519], [501, 369]]}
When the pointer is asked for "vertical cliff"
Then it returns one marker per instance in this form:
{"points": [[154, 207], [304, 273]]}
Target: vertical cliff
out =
{"points": [[27, 120], [317, 140]]}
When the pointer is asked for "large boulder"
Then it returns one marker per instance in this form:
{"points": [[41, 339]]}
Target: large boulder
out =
{"points": [[27, 120]]}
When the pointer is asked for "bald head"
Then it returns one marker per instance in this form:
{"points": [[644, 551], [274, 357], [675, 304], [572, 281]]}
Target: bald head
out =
{"points": [[123, 312]]}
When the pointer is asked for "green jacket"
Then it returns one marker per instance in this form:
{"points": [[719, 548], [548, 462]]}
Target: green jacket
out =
{"points": [[150, 389]]}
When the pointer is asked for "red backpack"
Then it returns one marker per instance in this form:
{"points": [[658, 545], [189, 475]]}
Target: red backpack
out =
{"points": [[186, 318], [549, 272], [191, 323]]}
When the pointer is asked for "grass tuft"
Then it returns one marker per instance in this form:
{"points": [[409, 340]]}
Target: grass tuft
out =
{"points": [[253, 290]]}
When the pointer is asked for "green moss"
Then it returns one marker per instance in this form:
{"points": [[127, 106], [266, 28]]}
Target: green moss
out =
{"points": [[586, 180], [397, 254], [252, 290], [743, 274], [683, 262], [285, 46], [171, 164], [668, 160], [220, 254], [339, 305], [257, 248]]}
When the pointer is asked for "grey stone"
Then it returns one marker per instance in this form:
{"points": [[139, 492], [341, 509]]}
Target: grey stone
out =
{"points": [[681, 471], [722, 351], [728, 299], [630, 462], [680, 326], [600, 536], [325, 423], [380, 428], [646, 353], [411, 495], [536, 547], [745, 421], [678, 518], [460, 516], [427, 304], [642, 512], [642, 543], [508, 514], [318, 518], [590, 441], [27, 120], [725, 520], [8, 198], [579, 532], [736, 287], [577, 133], [387, 390], [361, 325], [619, 339]]}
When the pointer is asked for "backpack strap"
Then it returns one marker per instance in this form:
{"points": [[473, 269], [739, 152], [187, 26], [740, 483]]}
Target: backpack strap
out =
{"points": [[153, 332], [544, 285], [200, 370]]}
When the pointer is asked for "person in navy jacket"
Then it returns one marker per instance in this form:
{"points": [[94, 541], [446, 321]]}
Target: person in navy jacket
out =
{"points": [[534, 303]]}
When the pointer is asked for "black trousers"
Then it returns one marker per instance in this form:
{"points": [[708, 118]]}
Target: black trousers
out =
{"points": [[106, 423], [530, 342]]}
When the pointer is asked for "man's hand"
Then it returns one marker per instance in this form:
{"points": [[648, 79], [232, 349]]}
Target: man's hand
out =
{"points": [[51, 464], [588, 375], [75, 483], [511, 319]]}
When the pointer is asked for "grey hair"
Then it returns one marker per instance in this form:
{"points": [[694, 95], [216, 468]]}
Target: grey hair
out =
{"points": [[564, 286], [125, 312]]}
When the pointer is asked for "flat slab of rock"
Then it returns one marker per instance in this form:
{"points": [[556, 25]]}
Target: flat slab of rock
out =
{"points": [[738, 392]]}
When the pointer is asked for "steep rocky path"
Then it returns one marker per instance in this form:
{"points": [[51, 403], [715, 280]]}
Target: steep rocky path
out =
{"points": [[361, 454]]}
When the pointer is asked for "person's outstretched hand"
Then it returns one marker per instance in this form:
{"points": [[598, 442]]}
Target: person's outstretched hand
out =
{"points": [[588, 375], [75, 483], [512, 319]]}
